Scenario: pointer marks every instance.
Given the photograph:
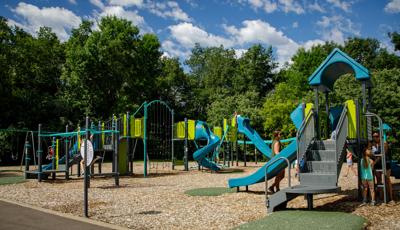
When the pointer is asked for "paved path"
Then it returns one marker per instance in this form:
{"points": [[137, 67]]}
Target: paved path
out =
{"points": [[17, 217]]}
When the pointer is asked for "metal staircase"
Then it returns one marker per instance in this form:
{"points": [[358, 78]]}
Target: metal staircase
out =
{"points": [[319, 161]]}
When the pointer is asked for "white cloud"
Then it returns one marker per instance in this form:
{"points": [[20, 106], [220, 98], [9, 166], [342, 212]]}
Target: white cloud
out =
{"points": [[240, 52], [344, 5], [129, 15], [335, 28], [98, 3], [295, 25], [168, 9], [126, 3], [316, 7], [61, 20], [188, 35], [291, 6], [173, 50], [311, 43], [72, 1], [269, 6], [393, 7]]}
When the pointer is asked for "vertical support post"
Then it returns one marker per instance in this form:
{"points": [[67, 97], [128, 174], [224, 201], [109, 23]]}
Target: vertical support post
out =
{"points": [[245, 152], [237, 151], [78, 139], [86, 179], [128, 140], [53, 158], [327, 113], [27, 159], [255, 154], [186, 147], [116, 153], [359, 150], [145, 139], [310, 204], [317, 113], [39, 154], [172, 140], [66, 155]]}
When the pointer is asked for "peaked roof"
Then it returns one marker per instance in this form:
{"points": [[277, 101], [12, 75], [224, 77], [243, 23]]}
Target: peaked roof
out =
{"points": [[335, 65]]}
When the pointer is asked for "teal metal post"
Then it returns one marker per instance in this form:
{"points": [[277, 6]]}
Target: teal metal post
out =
{"points": [[66, 155], [53, 158], [27, 159], [39, 154], [186, 148], [145, 139]]}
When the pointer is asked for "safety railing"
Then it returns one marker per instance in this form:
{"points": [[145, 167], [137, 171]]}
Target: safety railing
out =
{"points": [[305, 135], [341, 137], [266, 176]]}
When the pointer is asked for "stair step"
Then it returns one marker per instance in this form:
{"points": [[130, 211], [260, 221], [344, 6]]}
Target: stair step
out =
{"points": [[321, 155], [322, 166], [318, 179], [326, 145], [277, 199]]}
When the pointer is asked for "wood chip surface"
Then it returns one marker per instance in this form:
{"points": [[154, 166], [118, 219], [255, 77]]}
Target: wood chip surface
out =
{"points": [[159, 202]]}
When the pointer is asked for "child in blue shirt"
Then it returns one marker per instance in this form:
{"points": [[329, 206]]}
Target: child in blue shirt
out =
{"points": [[367, 179]]}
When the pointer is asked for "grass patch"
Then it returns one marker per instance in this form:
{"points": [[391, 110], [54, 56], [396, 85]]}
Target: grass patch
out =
{"points": [[11, 180], [213, 191], [307, 220]]}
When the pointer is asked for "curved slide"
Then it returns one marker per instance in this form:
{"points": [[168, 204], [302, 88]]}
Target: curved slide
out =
{"points": [[245, 128], [203, 132], [259, 176]]}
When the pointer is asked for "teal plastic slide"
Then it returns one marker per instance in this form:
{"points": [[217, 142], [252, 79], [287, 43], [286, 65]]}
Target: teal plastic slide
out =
{"points": [[259, 176], [245, 128], [289, 152], [203, 132]]}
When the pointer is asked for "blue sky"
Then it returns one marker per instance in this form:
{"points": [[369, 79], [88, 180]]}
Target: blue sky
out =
{"points": [[286, 25]]}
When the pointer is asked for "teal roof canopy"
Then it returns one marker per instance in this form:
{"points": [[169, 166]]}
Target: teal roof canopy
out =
{"points": [[335, 65]]}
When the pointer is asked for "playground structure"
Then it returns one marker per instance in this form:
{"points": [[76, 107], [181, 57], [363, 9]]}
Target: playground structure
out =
{"points": [[321, 158]]}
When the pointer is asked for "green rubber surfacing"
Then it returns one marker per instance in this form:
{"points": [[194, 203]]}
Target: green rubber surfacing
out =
{"points": [[214, 191], [307, 220], [11, 180]]}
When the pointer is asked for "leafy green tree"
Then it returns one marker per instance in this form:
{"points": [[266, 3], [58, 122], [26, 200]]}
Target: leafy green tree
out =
{"points": [[255, 71], [395, 38], [111, 70]]}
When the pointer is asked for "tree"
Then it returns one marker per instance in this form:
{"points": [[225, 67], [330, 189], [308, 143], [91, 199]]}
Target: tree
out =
{"points": [[111, 70], [255, 71], [395, 38]]}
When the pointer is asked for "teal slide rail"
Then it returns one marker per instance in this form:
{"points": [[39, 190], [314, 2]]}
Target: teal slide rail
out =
{"points": [[245, 128]]}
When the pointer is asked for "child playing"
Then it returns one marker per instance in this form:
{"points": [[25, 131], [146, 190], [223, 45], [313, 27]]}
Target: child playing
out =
{"points": [[349, 160], [367, 178]]}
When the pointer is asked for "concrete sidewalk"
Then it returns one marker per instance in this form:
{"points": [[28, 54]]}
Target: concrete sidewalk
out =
{"points": [[17, 217]]}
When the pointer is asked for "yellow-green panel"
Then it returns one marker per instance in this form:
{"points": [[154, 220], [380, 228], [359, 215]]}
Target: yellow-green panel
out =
{"points": [[225, 124], [180, 130], [352, 115], [309, 106], [232, 134], [132, 126], [125, 133], [139, 127], [233, 122], [191, 129], [218, 131], [103, 135]]}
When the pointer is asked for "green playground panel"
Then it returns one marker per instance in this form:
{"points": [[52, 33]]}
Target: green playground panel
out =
{"points": [[352, 114], [191, 129], [218, 131], [123, 156], [180, 130], [138, 127]]}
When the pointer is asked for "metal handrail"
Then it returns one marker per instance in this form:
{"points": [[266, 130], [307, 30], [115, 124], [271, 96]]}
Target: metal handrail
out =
{"points": [[338, 131], [266, 176], [301, 130], [383, 154]]}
